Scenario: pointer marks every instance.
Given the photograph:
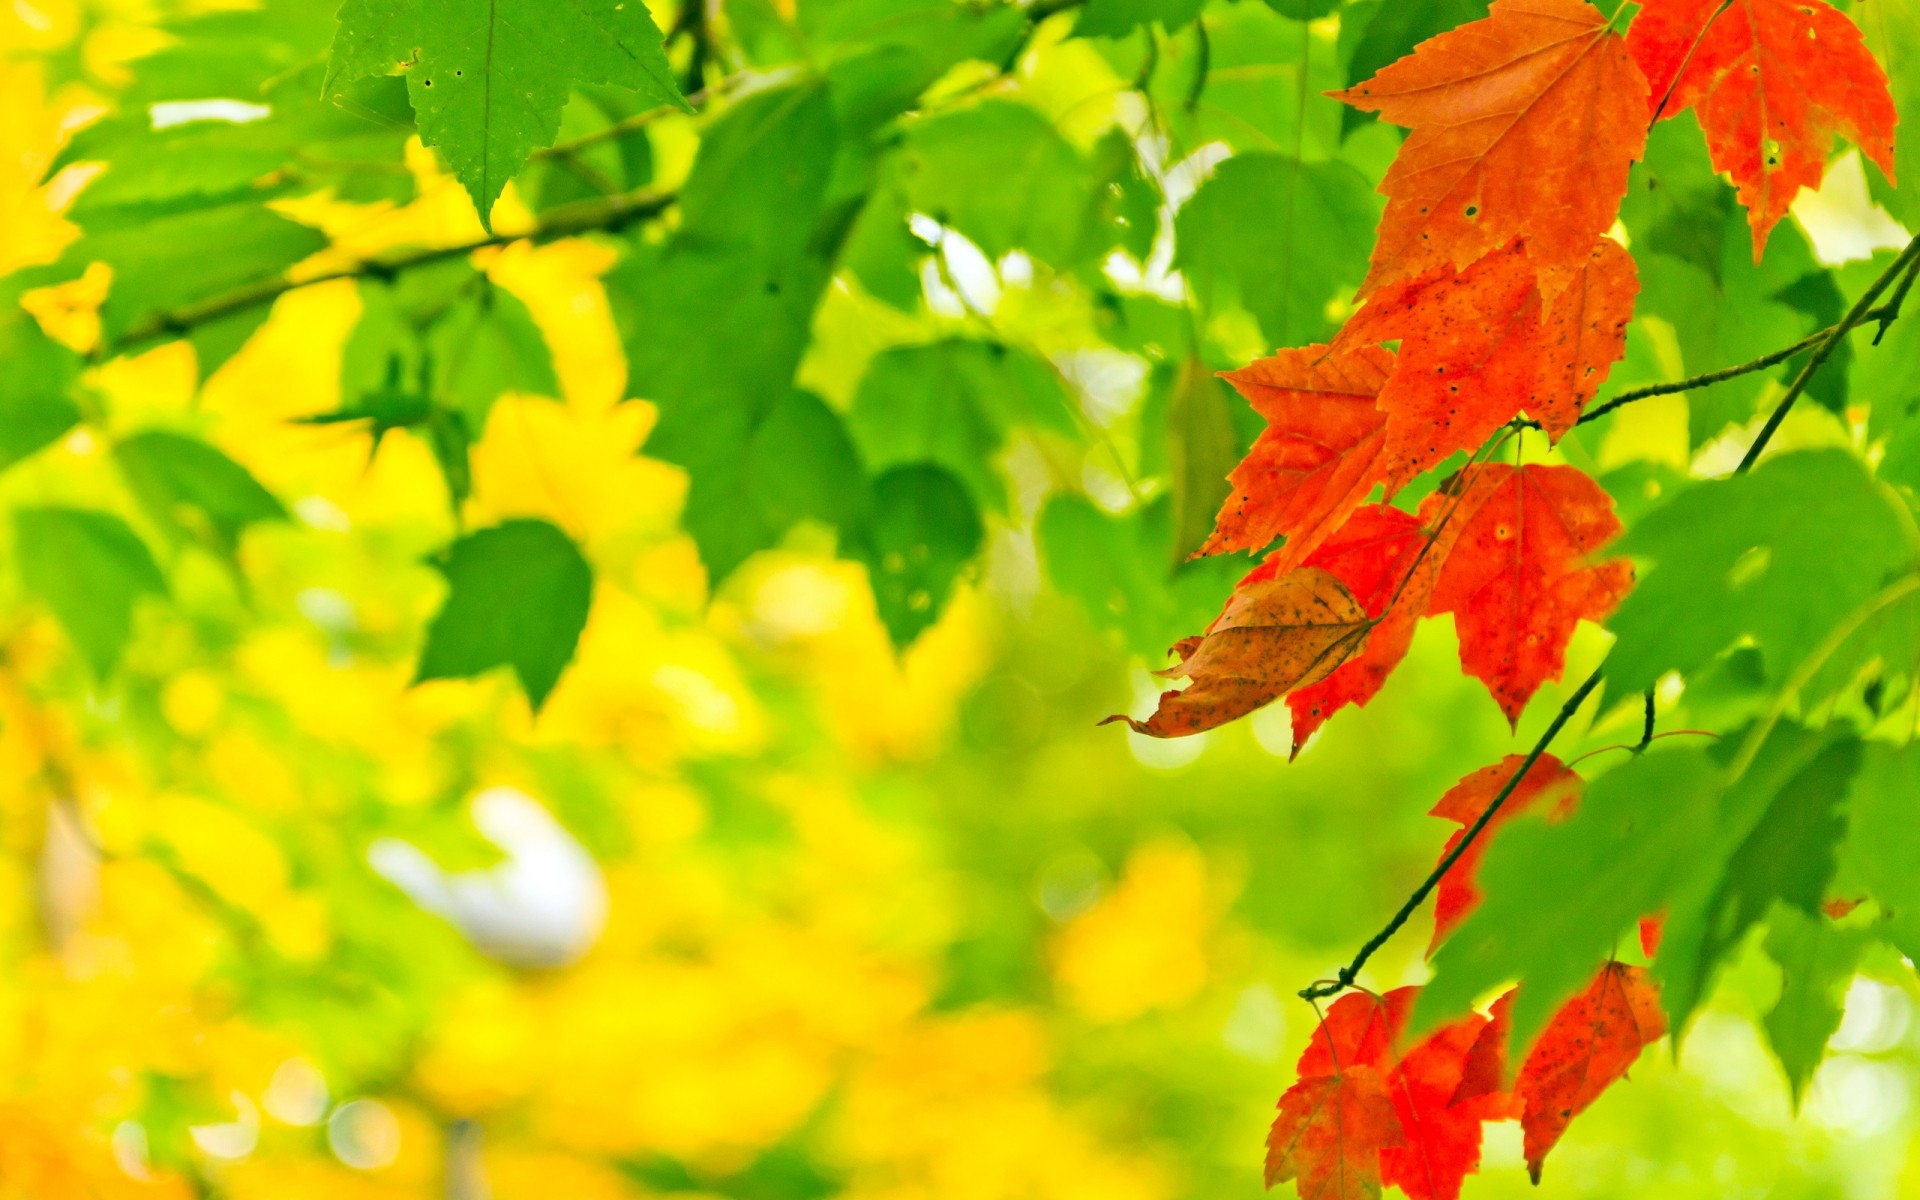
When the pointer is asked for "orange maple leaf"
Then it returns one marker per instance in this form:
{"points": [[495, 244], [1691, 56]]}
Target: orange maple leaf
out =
{"points": [[1478, 346], [1774, 83], [1318, 457], [1524, 124], [1275, 635], [1519, 579], [1590, 1042], [1548, 780], [1372, 554]]}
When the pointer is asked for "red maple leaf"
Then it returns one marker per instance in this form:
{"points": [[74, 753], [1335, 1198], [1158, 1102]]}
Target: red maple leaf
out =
{"points": [[1483, 1074], [1318, 457], [1329, 1134], [1547, 780], [1372, 554], [1590, 1042], [1774, 83], [1274, 635], [1524, 124], [1519, 578], [1478, 346], [1442, 1139]]}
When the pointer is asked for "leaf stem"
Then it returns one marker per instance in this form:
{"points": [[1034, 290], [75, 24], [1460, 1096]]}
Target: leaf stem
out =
{"points": [[1344, 979]]}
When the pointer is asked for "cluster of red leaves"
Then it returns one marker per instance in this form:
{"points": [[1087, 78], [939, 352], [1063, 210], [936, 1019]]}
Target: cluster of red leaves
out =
{"points": [[1494, 275], [1369, 1110]]}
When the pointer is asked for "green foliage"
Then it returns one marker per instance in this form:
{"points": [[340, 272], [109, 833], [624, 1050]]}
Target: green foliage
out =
{"points": [[487, 82], [34, 406], [517, 595], [1733, 558], [90, 569], [1635, 841], [921, 532], [1242, 236], [190, 488], [1779, 825], [1817, 959]]}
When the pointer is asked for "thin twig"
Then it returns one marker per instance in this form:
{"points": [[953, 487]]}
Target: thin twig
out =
{"points": [[1884, 312], [1344, 979], [610, 213], [1855, 316], [1861, 312]]}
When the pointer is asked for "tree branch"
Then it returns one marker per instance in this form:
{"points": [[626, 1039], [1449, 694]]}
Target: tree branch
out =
{"points": [[1857, 315], [1344, 979], [604, 215], [1903, 268]]}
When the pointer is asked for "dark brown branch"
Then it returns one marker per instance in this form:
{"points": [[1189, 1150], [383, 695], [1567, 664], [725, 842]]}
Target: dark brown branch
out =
{"points": [[588, 216], [1345, 978], [1857, 315]]}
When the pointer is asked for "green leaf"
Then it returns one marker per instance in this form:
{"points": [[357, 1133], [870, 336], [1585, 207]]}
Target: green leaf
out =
{"points": [[1202, 448], [721, 314], [89, 568], [1040, 183], [1781, 555], [517, 595], [1117, 567], [1776, 838], [953, 403], [484, 345], [34, 409], [1560, 897], [488, 80], [1817, 960], [1279, 237], [754, 470], [1884, 840], [1118, 18], [1124, 210], [1701, 279], [187, 486], [165, 264], [921, 533]]}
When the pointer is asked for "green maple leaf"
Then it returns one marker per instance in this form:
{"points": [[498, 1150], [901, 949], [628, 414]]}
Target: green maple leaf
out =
{"points": [[488, 78]]}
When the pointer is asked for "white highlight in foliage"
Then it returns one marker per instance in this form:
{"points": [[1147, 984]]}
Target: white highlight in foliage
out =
{"points": [[169, 113], [543, 907]]}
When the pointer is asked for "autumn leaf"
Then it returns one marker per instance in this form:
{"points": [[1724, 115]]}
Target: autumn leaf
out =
{"points": [[1335, 1121], [1372, 554], [1359, 1029], [1547, 780], [1590, 1042], [1318, 457], [1442, 1139], [1483, 1072], [1479, 346], [1434, 1142], [1274, 636], [1773, 82], [1524, 124], [1519, 579], [1329, 1135]]}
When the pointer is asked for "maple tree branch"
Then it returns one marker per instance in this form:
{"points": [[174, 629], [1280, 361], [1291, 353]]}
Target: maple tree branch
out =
{"points": [[1886, 312], [1857, 315], [588, 216], [1903, 269], [1344, 979]]}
